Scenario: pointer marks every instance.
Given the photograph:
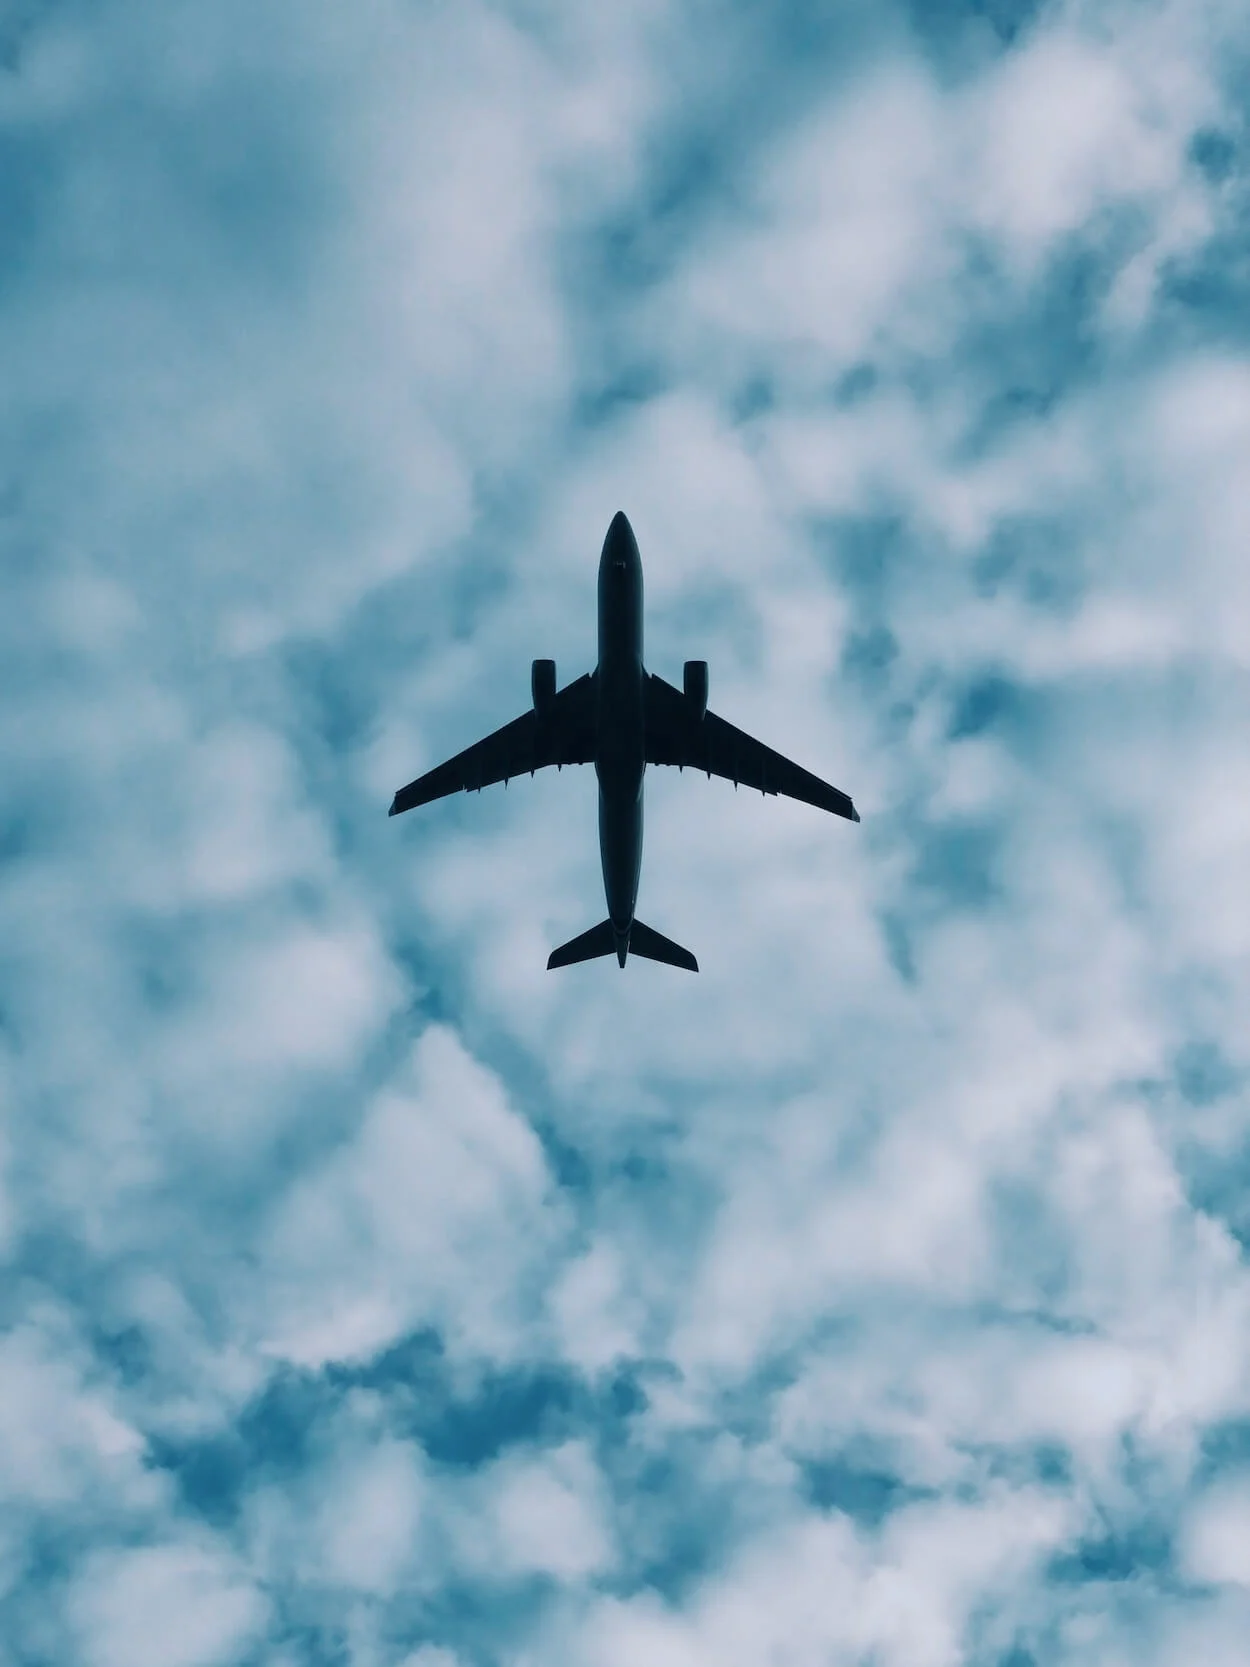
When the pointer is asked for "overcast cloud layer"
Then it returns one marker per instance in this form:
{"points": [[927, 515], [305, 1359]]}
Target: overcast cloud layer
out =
{"points": [[371, 1296]]}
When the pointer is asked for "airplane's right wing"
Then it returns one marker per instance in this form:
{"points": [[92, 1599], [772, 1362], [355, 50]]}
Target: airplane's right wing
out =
{"points": [[674, 735], [565, 734]]}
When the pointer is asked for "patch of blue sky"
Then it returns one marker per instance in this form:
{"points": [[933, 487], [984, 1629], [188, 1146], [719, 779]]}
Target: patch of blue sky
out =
{"points": [[372, 1296]]}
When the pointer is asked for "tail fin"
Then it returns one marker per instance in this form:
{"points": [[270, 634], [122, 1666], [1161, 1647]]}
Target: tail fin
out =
{"points": [[602, 940], [645, 941]]}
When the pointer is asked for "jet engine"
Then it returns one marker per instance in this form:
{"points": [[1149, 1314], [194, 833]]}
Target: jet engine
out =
{"points": [[543, 685], [694, 682]]}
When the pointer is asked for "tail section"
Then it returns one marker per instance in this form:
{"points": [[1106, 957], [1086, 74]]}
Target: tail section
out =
{"points": [[600, 940], [644, 940], [640, 940]]}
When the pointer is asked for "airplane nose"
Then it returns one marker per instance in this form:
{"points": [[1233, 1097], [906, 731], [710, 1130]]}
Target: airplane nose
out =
{"points": [[617, 546]]}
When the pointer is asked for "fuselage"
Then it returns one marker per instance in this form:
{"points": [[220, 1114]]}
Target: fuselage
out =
{"points": [[619, 751]]}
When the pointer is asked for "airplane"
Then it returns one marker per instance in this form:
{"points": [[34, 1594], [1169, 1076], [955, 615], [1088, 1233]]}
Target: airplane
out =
{"points": [[620, 718]]}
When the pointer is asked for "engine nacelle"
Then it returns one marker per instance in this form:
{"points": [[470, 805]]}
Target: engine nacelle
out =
{"points": [[694, 682], [543, 685]]}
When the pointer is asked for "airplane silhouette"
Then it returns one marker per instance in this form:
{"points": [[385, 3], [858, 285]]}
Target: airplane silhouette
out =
{"points": [[620, 718]]}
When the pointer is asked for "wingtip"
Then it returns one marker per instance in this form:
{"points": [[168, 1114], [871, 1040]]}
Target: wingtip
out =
{"points": [[394, 810], [854, 814]]}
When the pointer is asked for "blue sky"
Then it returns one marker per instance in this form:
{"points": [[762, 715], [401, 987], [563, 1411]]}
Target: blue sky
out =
{"points": [[373, 1297]]}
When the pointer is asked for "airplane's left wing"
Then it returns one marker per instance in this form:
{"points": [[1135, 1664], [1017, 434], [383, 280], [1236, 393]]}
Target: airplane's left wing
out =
{"points": [[675, 735], [565, 734]]}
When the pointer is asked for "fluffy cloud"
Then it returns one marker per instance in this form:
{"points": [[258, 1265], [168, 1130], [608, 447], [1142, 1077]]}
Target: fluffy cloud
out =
{"points": [[169, 1604], [413, 1224]]}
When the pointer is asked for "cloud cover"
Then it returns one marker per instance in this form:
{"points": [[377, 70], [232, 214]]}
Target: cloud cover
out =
{"points": [[372, 1296]]}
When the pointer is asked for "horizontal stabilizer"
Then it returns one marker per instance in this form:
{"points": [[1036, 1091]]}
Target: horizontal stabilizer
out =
{"points": [[645, 941], [600, 940]]}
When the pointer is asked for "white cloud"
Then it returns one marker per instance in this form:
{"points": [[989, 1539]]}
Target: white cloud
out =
{"points": [[243, 836], [813, 1591], [545, 1516], [368, 1518], [182, 1605], [61, 1438], [599, 1319], [306, 998], [1081, 120], [842, 217], [1215, 1537], [408, 1225]]}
